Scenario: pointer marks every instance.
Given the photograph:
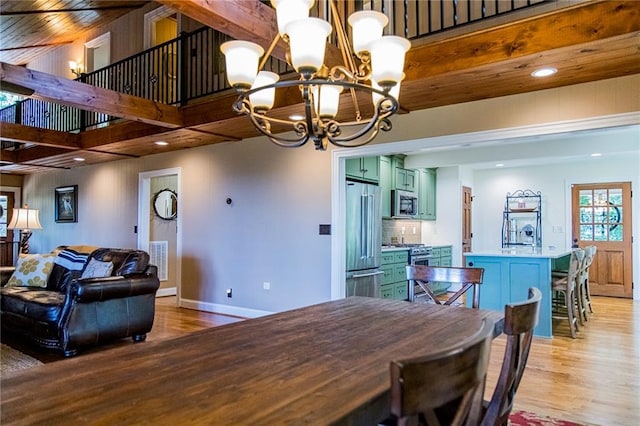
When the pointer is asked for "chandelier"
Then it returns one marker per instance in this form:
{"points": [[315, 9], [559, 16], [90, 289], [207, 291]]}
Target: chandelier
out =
{"points": [[374, 66]]}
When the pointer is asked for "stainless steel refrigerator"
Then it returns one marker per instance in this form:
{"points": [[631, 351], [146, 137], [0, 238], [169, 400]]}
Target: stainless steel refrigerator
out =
{"points": [[364, 239]]}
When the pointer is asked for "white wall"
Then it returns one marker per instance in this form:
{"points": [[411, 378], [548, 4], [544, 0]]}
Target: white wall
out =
{"points": [[280, 196], [491, 187]]}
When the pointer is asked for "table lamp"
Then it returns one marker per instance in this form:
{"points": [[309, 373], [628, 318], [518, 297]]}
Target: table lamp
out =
{"points": [[25, 219]]}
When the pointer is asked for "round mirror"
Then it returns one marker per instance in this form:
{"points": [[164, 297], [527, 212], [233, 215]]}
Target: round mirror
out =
{"points": [[165, 204]]}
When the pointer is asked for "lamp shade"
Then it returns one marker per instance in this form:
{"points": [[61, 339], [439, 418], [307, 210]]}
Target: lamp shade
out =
{"points": [[367, 26], [290, 10], [25, 219], [263, 99], [329, 98], [387, 59], [242, 59], [308, 41], [394, 91]]}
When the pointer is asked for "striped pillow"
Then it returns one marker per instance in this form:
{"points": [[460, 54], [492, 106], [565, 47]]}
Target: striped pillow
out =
{"points": [[71, 259]]}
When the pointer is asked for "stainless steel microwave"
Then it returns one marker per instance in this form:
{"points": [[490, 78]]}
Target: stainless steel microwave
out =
{"points": [[404, 204]]}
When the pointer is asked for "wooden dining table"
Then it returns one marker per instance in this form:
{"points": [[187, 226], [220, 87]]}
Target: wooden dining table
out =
{"points": [[322, 364]]}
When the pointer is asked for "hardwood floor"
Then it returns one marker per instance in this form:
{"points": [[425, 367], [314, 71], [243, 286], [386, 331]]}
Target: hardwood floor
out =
{"points": [[591, 380]]}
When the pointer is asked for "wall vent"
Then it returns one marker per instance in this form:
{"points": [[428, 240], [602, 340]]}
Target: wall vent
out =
{"points": [[158, 255]]}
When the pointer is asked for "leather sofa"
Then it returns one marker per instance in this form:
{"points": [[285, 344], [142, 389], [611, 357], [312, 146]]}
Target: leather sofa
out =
{"points": [[71, 312]]}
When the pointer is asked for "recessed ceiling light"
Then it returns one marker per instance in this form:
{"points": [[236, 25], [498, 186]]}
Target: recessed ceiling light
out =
{"points": [[161, 143], [544, 72], [596, 154], [296, 117], [500, 165], [78, 159]]}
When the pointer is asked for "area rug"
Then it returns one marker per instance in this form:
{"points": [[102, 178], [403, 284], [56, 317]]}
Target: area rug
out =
{"points": [[12, 361], [525, 418]]}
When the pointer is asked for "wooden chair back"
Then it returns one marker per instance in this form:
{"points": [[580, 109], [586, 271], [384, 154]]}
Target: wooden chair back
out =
{"points": [[452, 379], [467, 277], [519, 321]]}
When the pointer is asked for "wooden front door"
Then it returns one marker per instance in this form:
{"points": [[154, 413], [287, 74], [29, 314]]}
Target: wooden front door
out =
{"points": [[467, 198], [601, 216], [6, 235]]}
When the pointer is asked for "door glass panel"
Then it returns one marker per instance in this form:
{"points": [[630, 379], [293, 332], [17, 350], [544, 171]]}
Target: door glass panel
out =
{"points": [[615, 197], [600, 214], [616, 233], [586, 233], [600, 197], [600, 233], [585, 197], [586, 215]]}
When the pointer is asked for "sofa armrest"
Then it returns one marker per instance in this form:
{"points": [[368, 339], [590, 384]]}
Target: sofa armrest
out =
{"points": [[99, 289], [5, 274]]}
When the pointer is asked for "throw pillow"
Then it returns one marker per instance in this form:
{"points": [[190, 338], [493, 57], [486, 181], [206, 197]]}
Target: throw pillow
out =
{"points": [[32, 270], [71, 259], [97, 269]]}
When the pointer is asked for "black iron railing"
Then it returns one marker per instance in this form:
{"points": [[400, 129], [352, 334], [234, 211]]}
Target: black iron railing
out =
{"points": [[192, 66]]}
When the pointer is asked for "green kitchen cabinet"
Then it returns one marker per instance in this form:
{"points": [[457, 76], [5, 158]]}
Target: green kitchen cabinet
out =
{"points": [[385, 185], [405, 179], [363, 168], [394, 280], [427, 194]]}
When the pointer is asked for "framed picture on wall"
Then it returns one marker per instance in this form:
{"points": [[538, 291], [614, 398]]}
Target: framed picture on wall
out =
{"points": [[66, 207]]}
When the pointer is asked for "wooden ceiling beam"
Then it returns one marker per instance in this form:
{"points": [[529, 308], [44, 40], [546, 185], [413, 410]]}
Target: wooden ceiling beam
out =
{"points": [[80, 9], [570, 26], [91, 98], [243, 20], [25, 134]]}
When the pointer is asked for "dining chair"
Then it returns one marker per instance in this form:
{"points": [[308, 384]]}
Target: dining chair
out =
{"points": [[469, 278], [443, 388], [519, 321], [564, 302]]}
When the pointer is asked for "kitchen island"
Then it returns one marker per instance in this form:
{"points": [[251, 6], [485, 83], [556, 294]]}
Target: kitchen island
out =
{"points": [[508, 274]]}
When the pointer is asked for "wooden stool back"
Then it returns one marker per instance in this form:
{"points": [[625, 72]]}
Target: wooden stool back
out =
{"points": [[519, 321], [452, 379], [467, 277]]}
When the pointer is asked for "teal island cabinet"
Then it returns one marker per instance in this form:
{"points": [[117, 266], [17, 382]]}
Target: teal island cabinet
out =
{"points": [[508, 274]]}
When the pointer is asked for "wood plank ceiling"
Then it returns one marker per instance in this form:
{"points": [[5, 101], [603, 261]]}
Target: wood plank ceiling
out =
{"points": [[588, 41]]}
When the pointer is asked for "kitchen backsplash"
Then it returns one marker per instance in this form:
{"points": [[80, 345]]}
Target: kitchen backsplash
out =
{"points": [[392, 231]]}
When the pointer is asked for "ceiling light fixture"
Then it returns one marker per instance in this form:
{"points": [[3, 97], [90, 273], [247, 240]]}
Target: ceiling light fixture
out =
{"points": [[161, 143], [78, 159], [376, 59], [596, 154], [544, 72]]}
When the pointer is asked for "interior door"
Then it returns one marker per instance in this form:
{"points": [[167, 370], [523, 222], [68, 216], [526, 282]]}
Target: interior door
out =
{"points": [[467, 234], [601, 216], [6, 235]]}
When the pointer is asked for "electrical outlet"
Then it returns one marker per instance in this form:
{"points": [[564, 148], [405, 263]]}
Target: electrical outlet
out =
{"points": [[266, 286], [229, 292]]}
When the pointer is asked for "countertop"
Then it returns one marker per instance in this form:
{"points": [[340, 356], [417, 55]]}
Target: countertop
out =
{"points": [[389, 248], [539, 252]]}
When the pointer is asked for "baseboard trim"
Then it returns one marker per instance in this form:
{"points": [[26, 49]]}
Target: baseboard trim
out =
{"points": [[222, 309], [169, 291]]}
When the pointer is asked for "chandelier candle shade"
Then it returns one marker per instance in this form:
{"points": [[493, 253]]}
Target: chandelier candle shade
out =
{"points": [[374, 66]]}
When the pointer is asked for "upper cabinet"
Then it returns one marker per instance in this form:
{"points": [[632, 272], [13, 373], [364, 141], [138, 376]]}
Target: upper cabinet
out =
{"points": [[365, 168], [427, 194], [403, 179]]}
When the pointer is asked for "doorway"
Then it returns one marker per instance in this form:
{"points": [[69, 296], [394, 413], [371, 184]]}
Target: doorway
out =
{"points": [[601, 215], [7, 252], [158, 234]]}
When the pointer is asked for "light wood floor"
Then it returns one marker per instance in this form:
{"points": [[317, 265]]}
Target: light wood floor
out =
{"points": [[592, 380]]}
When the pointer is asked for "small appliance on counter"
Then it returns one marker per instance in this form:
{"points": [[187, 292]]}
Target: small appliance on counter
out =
{"points": [[364, 239]]}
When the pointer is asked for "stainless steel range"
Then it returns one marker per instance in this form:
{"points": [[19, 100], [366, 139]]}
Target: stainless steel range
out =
{"points": [[418, 255]]}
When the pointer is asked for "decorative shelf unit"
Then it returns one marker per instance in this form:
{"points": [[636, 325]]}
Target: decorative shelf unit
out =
{"points": [[522, 219]]}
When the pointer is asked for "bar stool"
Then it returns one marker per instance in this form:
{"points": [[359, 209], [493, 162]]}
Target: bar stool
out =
{"points": [[589, 255], [565, 299]]}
